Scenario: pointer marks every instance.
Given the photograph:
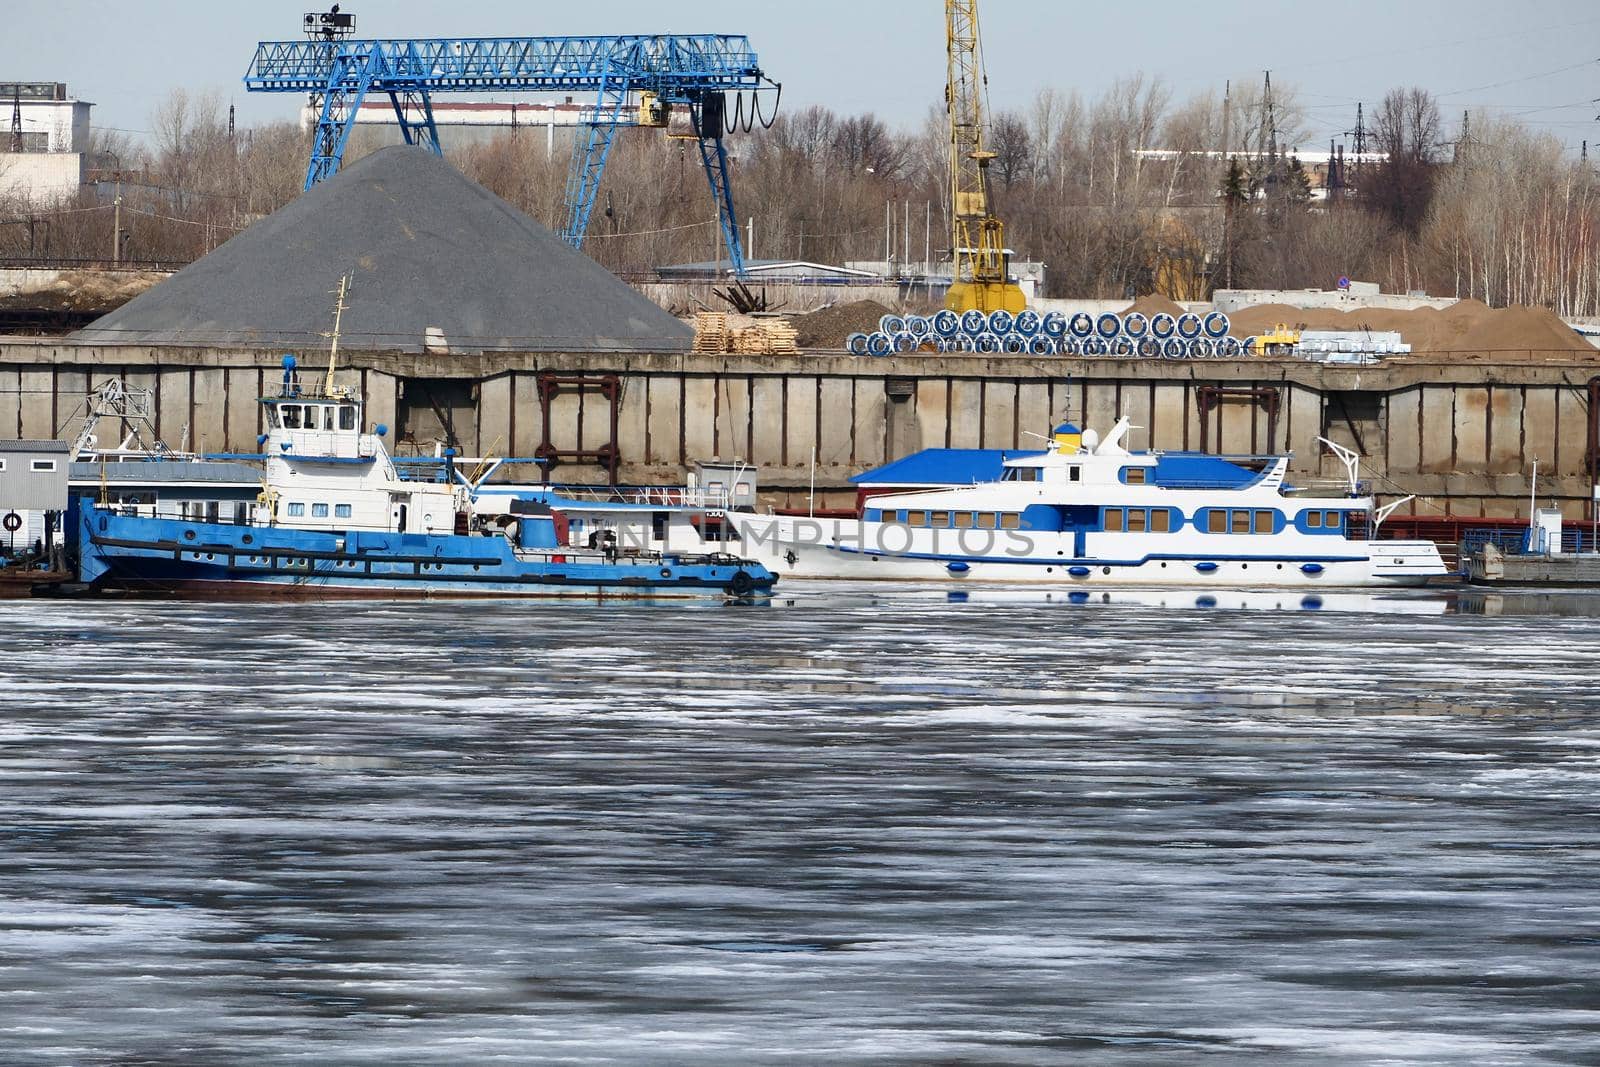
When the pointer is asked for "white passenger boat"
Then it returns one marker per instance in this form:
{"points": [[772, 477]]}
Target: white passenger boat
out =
{"points": [[1088, 511]]}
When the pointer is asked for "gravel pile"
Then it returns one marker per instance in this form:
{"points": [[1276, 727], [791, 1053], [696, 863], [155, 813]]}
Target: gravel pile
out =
{"points": [[829, 327], [439, 263]]}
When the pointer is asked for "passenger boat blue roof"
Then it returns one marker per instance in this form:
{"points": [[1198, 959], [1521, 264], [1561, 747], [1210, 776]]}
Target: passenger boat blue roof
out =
{"points": [[1196, 470], [944, 466]]}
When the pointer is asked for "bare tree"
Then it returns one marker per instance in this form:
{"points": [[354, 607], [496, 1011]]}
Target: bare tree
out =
{"points": [[1406, 131]]}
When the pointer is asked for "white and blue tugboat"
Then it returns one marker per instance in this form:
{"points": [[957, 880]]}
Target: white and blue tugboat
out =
{"points": [[1088, 511], [334, 518]]}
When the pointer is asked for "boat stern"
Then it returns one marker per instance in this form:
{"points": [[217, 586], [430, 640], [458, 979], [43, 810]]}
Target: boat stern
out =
{"points": [[1405, 562]]}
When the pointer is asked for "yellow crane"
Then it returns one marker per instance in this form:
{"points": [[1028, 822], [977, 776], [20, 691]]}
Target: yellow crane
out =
{"points": [[978, 246]]}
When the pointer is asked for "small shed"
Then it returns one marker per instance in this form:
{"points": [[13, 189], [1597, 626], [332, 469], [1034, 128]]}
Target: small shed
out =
{"points": [[33, 476]]}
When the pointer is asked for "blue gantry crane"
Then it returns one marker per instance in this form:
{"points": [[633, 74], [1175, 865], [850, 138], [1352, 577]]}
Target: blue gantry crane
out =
{"points": [[638, 80]]}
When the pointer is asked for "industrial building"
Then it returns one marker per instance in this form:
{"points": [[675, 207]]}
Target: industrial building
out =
{"points": [[33, 487], [46, 141]]}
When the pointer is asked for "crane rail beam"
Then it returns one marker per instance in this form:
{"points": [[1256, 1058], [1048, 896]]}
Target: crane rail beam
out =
{"points": [[678, 67]]}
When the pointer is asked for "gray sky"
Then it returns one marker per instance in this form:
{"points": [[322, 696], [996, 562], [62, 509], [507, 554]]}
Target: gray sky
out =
{"points": [[1536, 59]]}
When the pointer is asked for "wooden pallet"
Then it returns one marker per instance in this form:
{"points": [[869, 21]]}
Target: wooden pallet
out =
{"points": [[711, 331]]}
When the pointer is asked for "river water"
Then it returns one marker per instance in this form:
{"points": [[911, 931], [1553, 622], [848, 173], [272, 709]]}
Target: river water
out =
{"points": [[851, 826]]}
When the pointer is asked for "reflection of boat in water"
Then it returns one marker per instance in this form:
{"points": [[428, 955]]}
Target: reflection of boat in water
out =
{"points": [[1360, 601], [1089, 512]]}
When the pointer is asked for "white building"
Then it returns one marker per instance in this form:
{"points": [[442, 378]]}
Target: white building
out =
{"points": [[54, 138]]}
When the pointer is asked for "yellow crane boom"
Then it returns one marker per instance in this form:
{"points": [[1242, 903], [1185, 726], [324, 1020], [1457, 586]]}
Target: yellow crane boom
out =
{"points": [[977, 239]]}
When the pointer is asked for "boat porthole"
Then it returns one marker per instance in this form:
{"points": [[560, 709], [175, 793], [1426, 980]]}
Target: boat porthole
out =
{"points": [[1244, 566], [666, 572], [1105, 570], [247, 539], [1049, 570], [210, 557], [1280, 566], [188, 535], [477, 567]]}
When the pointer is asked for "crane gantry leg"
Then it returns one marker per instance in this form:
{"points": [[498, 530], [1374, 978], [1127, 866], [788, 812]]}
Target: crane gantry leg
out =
{"points": [[708, 128], [589, 162], [416, 130], [348, 80]]}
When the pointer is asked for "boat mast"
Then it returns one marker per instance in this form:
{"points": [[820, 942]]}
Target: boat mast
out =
{"points": [[333, 350]]}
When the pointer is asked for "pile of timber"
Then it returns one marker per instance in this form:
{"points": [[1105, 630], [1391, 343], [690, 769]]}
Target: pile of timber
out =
{"points": [[764, 337]]}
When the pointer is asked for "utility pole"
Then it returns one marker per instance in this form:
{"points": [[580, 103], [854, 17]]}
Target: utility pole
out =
{"points": [[16, 118], [1227, 120], [116, 220]]}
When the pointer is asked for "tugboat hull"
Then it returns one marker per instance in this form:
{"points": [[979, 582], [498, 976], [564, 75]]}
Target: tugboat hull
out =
{"points": [[176, 558]]}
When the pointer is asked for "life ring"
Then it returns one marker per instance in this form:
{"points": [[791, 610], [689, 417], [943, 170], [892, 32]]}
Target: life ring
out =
{"points": [[741, 584], [13, 522]]}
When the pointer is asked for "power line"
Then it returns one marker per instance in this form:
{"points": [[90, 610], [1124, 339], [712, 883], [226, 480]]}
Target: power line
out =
{"points": [[1515, 81]]}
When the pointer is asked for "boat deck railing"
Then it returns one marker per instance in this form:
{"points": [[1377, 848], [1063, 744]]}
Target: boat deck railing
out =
{"points": [[648, 495]]}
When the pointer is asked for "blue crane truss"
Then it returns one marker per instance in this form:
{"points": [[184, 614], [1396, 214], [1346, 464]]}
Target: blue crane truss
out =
{"points": [[683, 71]]}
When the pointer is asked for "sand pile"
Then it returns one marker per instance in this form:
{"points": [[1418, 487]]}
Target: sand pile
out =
{"points": [[1152, 305], [829, 327], [1465, 327]]}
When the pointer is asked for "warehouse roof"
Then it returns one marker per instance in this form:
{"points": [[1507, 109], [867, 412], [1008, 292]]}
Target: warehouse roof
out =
{"points": [[439, 263]]}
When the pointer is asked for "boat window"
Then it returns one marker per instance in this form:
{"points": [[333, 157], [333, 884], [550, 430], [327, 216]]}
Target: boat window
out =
{"points": [[241, 512], [44, 466], [1010, 520], [297, 511], [1241, 522], [1114, 520], [328, 416], [917, 518], [1217, 521], [1133, 475], [1266, 521], [1137, 518], [1160, 520], [319, 511], [291, 416], [213, 510], [939, 518], [1313, 519], [986, 521], [1074, 474], [347, 417], [714, 488], [1335, 519], [1011, 474], [963, 520], [341, 511]]}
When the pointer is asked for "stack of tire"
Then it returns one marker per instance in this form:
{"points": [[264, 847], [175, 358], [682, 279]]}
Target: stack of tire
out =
{"points": [[1160, 336]]}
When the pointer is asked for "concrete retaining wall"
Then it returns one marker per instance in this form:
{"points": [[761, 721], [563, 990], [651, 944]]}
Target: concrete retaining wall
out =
{"points": [[1463, 436]]}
